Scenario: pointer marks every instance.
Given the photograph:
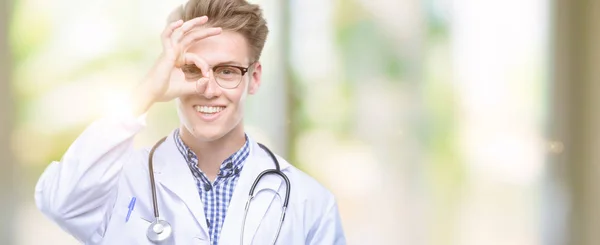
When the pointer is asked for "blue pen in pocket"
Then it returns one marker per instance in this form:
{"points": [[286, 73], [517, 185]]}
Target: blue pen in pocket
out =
{"points": [[131, 206]]}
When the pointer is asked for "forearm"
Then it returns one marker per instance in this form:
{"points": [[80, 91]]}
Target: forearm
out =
{"points": [[80, 187]]}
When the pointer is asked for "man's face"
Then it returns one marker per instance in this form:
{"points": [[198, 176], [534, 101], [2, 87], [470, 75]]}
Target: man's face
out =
{"points": [[216, 111]]}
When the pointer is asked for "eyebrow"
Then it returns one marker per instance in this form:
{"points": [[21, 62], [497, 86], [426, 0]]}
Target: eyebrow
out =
{"points": [[225, 63], [228, 63]]}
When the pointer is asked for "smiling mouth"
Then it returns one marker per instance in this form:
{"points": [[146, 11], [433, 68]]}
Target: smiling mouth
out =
{"points": [[209, 109]]}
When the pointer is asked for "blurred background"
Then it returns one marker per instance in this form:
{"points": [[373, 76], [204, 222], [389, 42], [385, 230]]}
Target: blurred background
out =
{"points": [[434, 122]]}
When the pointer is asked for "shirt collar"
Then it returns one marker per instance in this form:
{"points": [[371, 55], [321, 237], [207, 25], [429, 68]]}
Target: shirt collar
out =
{"points": [[232, 165]]}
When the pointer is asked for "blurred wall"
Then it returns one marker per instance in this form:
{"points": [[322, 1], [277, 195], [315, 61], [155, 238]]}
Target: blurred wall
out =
{"points": [[6, 123], [576, 117]]}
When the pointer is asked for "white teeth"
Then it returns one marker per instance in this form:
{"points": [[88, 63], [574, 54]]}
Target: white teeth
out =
{"points": [[209, 109]]}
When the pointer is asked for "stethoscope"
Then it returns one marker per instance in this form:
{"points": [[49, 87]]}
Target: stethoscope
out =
{"points": [[160, 230]]}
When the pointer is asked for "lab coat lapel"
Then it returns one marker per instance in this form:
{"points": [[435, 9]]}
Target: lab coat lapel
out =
{"points": [[173, 173], [257, 162]]}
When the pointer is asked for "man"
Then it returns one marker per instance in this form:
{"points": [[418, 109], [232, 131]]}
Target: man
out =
{"points": [[103, 191]]}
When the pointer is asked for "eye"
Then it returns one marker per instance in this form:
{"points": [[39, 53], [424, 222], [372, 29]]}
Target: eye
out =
{"points": [[191, 70], [228, 71]]}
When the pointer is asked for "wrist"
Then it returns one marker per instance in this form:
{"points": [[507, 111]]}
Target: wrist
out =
{"points": [[143, 98]]}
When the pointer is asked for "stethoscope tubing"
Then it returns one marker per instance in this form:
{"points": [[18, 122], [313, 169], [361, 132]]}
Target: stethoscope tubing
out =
{"points": [[276, 171], [152, 182], [251, 195]]}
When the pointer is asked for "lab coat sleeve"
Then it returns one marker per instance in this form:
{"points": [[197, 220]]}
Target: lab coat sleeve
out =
{"points": [[78, 192], [328, 228]]}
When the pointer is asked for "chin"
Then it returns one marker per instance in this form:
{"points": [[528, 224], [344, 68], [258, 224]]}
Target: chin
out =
{"points": [[210, 131], [207, 133]]}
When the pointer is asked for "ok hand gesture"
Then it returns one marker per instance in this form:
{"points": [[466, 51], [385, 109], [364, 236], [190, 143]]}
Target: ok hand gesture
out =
{"points": [[161, 83]]}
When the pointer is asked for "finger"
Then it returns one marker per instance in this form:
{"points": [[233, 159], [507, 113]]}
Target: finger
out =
{"points": [[187, 26], [167, 44], [197, 35], [200, 85], [195, 22], [190, 58], [170, 28]]}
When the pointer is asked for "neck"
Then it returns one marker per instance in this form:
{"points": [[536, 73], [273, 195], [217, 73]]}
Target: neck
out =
{"points": [[211, 154]]}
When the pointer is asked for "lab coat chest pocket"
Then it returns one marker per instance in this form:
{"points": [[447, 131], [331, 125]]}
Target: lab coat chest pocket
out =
{"points": [[132, 230]]}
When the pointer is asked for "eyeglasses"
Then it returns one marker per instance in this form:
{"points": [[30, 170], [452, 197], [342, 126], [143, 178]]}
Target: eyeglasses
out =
{"points": [[227, 76]]}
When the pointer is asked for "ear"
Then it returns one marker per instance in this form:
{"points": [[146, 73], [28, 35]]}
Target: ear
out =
{"points": [[256, 76]]}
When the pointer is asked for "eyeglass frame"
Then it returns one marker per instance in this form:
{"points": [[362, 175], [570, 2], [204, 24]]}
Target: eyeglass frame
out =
{"points": [[244, 70]]}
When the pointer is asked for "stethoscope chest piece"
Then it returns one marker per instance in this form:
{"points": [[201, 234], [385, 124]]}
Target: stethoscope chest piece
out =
{"points": [[159, 231]]}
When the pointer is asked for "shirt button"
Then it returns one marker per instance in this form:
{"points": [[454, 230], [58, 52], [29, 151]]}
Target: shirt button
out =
{"points": [[228, 165], [207, 187]]}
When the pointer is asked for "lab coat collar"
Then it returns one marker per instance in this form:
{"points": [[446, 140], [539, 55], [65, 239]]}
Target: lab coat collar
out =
{"points": [[172, 172]]}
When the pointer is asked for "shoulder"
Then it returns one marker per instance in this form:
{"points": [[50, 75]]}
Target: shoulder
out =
{"points": [[306, 189], [317, 207], [306, 192]]}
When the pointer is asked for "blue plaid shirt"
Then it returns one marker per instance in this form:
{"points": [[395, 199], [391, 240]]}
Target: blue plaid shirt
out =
{"points": [[215, 196]]}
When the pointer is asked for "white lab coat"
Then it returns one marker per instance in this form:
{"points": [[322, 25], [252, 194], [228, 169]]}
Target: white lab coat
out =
{"points": [[88, 193]]}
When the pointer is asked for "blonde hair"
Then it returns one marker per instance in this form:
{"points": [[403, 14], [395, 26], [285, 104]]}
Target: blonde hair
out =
{"points": [[231, 15]]}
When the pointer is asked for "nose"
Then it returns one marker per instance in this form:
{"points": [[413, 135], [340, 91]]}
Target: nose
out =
{"points": [[211, 89]]}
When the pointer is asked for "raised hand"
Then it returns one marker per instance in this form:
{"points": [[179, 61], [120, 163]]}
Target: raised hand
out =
{"points": [[162, 83]]}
